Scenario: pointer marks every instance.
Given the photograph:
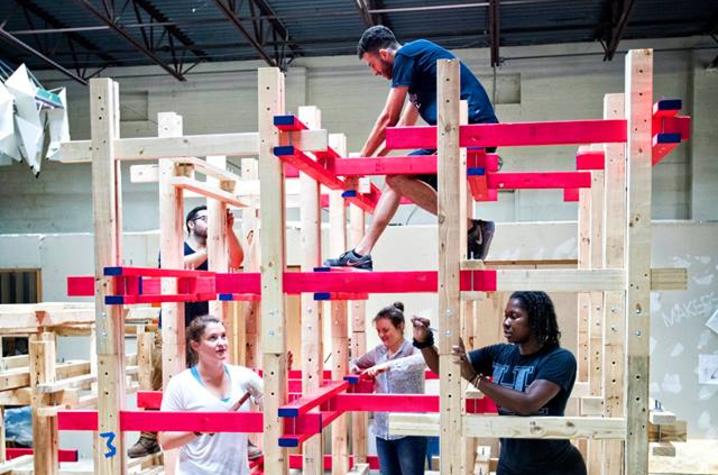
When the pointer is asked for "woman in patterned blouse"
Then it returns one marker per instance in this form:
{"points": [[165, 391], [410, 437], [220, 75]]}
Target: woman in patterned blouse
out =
{"points": [[398, 368]]}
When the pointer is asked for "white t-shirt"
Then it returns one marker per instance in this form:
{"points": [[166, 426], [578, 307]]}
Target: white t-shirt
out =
{"points": [[224, 453]]}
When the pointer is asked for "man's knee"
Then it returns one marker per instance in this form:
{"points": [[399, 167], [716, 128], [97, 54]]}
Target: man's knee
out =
{"points": [[395, 181]]}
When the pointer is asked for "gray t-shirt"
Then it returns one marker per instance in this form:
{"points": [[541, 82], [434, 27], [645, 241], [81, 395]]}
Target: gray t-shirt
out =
{"points": [[405, 376]]}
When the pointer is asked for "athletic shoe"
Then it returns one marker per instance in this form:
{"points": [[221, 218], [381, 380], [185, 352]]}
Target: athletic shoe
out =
{"points": [[351, 259]]}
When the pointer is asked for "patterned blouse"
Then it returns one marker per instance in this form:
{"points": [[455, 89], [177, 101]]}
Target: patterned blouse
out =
{"points": [[405, 376]]}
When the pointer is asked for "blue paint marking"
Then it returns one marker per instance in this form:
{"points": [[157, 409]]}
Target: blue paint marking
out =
{"points": [[113, 271], [475, 171], [114, 300], [668, 138], [111, 449], [283, 120], [320, 296], [284, 150], [670, 104]]}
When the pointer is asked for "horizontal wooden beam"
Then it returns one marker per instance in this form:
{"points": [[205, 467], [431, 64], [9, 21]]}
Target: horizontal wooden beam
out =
{"points": [[556, 280], [669, 278], [230, 145], [206, 190], [514, 426]]}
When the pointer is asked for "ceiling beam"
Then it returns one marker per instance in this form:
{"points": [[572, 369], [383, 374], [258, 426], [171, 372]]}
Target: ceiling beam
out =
{"points": [[120, 30], [16, 42], [494, 33], [613, 25], [277, 30]]}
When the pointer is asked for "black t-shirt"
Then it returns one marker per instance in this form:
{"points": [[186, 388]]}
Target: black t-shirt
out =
{"points": [[415, 67], [191, 309], [512, 370]]}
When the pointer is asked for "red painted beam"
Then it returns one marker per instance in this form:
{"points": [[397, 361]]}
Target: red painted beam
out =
{"points": [[308, 166], [64, 455], [354, 281], [568, 132], [539, 180], [398, 165], [570, 194], [591, 160], [80, 286], [315, 399], [478, 186], [167, 421]]}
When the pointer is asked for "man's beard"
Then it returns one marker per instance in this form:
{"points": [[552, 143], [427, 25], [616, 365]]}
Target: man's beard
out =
{"points": [[200, 234]]}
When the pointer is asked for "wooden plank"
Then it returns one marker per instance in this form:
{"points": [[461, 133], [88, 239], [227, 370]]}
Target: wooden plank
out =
{"points": [[250, 310], [661, 417], [558, 280], [449, 203], [668, 278], [110, 329], [339, 316], [44, 429], [207, 191], [358, 340], [169, 125], [639, 97], [591, 405], [614, 305], [217, 240], [150, 148], [311, 310], [273, 324], [514, 426], [662, 449], [673, 432]]}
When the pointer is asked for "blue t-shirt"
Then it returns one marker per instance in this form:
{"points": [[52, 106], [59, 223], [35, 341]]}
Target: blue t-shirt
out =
{"points": [[415, 67], [515, 371]]}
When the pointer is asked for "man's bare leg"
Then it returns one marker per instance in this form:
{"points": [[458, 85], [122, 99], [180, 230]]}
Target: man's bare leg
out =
{"points": [[384, 211]]}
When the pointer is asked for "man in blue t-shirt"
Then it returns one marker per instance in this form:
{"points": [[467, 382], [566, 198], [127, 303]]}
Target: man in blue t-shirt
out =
{"points": [[411, 68]]}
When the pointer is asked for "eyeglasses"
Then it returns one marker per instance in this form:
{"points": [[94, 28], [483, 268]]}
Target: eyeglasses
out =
{"points": [[200, 218]]}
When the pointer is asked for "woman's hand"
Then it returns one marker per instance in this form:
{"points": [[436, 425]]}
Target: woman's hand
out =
{"points": [[461, 358], [421, 328], [376, 370]]}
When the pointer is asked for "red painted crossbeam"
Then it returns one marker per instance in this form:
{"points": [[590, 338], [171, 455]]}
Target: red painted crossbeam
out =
{"points": [[399, 165], [297, 462], [308, 166], [315, 399], [567, 132], [570, 194], [63, 455], [130, 271], [356, 282], [402, 403], [167, 421], [590, 160], [539, 180]]}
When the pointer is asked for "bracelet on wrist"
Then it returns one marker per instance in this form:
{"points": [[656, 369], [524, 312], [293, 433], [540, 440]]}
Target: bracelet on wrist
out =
{"points": [[198, 434], [428, 343]]}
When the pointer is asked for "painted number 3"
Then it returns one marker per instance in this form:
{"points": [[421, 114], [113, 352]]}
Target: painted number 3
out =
{"points": [[111, 449]]}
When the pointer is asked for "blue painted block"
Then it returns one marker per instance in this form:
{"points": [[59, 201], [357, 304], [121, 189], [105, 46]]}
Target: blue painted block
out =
{"points": [[322, 269], [284, 150], [475, 172], [284, 119], [288, 442], [113, 271], [322, 296], [349, 193], [352, 378], [226, 297], [668, 138], [669, 104], [114, 300]]}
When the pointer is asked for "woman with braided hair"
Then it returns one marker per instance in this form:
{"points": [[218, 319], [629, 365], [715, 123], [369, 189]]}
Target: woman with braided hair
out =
{"points": [[530, 376]]}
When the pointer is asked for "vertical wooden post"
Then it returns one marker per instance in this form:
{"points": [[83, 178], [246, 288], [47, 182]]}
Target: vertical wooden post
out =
{"points": [[639, 108], [217, 247], [145, 350], [108, 318], [250, 310], [274, 347], [44, 428], [169, 124], [614, 329], [449, 204], [596, 315], [311, 310], [3, 452], [339, 316], [358, 339]]}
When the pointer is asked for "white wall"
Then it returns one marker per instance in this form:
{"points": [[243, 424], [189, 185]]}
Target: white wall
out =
{"points": [[221, 97]]}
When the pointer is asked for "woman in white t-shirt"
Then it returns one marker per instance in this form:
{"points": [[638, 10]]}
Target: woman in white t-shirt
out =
{"points": [[211, 386]]}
